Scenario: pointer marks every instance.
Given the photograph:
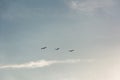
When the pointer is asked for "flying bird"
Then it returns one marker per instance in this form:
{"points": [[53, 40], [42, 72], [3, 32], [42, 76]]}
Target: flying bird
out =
{"points": [[57, 48], [44, 48], [71, 50]]}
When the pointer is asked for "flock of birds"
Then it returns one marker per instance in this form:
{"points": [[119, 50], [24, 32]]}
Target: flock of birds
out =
{"points": [[57, 49]]}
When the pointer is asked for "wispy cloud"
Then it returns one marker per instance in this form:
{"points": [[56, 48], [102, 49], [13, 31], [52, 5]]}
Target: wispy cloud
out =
{"points": [[91, 6], [40, 64]]}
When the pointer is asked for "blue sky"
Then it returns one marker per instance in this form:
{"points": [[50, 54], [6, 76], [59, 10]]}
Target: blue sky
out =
{"points": [[90, 27]]}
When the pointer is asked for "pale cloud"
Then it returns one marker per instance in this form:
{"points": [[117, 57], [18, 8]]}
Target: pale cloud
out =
{"points": [[40, 64], [91, 6]]}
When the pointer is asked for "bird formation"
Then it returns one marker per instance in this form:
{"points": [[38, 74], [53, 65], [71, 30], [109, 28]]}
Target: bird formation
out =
{"points": [[57, 49]]}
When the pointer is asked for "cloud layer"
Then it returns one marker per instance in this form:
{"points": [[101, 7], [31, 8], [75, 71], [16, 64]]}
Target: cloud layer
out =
{"points": [[40, 64], [91, 5]]}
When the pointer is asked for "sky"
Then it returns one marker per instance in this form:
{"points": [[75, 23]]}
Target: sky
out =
{"points": [[90, 27]]}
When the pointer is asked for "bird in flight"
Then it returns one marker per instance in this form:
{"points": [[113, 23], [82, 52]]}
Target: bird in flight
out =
{"points": [[57, 48], [43, 47], [71, 50]]}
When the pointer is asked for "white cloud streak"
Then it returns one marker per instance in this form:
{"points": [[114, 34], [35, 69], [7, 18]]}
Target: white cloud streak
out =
{"points": [[39, 64], [91, 6]]}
